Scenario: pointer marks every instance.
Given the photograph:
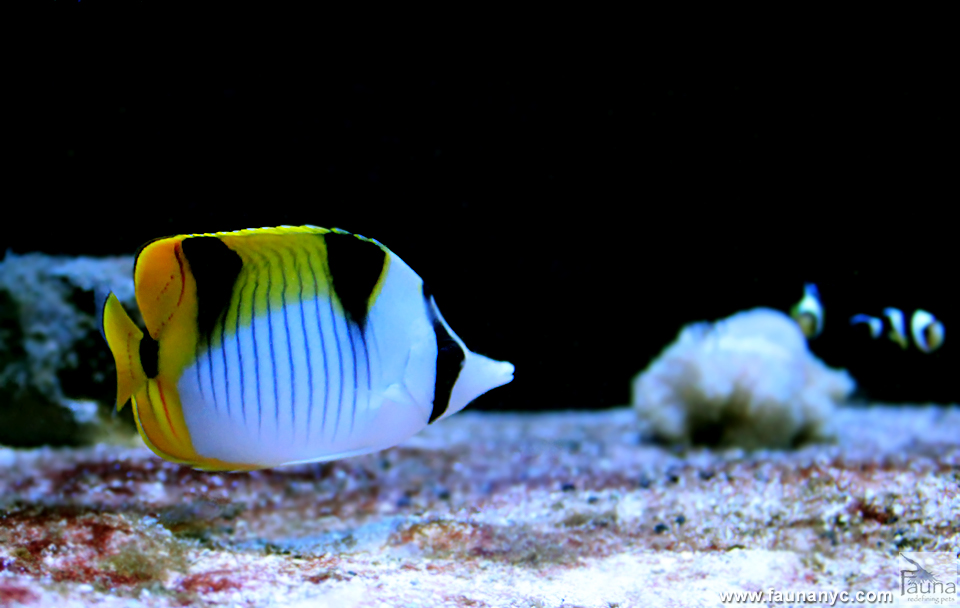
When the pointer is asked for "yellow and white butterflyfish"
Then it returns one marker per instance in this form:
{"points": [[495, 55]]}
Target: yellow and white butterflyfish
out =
{"points": [[875, 324], [898, 329], [808, 312], [275, 346], [926, 330]]}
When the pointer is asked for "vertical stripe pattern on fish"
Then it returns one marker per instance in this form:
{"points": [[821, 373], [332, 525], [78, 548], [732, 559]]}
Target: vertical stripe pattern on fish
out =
{"points": [[926, 331], [280, 345], [808, 312]]}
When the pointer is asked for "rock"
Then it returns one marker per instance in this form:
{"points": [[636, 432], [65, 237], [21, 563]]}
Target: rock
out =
{"points": [[56, 374], [747, 381]]}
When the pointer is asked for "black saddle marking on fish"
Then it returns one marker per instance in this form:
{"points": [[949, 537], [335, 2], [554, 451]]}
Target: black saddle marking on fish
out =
{"points": [[450, 358], [215, 268], [150, 356], [355, 267]]}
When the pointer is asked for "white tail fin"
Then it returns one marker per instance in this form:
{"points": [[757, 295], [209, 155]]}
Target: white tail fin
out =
{"points": [[478, 375]]}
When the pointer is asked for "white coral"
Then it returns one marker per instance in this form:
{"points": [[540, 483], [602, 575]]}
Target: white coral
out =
{"points": [[746, 381]]}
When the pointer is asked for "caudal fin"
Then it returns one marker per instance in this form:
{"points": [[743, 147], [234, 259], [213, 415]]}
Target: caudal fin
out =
{"points": [[478, 375], [123, 337]]}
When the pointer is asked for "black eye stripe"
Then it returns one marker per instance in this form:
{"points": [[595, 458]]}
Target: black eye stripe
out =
{"points": [[150, 356]]}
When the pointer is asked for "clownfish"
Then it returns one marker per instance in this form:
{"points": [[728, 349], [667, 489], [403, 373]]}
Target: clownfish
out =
{"points": [[808, 312], [897, 331], [275, 346], [926, 331], [875, 324]]}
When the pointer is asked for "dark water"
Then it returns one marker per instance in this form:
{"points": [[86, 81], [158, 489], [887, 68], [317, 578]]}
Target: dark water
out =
{"points": [[569, 219]]}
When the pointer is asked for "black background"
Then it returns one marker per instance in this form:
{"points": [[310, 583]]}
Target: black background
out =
{"points": [[571, 211]]}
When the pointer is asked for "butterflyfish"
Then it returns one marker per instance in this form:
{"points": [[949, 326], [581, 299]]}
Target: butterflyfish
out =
{"points": [[275, 346], [808, 312]]}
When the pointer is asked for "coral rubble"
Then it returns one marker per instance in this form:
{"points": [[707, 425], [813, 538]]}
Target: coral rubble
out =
{"points": [[485, 510], [748, 381]]}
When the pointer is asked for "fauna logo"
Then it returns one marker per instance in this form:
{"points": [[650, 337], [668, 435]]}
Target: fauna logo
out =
{"points": [[929, 577]]}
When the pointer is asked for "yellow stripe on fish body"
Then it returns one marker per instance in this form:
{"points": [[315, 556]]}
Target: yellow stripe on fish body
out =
{"points": [[279, 345]]}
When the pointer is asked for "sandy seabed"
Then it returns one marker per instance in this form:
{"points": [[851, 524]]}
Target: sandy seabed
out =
{"points": [[487, 510]]}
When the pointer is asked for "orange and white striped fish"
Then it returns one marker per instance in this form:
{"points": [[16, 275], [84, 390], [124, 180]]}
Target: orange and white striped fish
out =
{"points": [[808, 312], [926, 331], [276, 346]]}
